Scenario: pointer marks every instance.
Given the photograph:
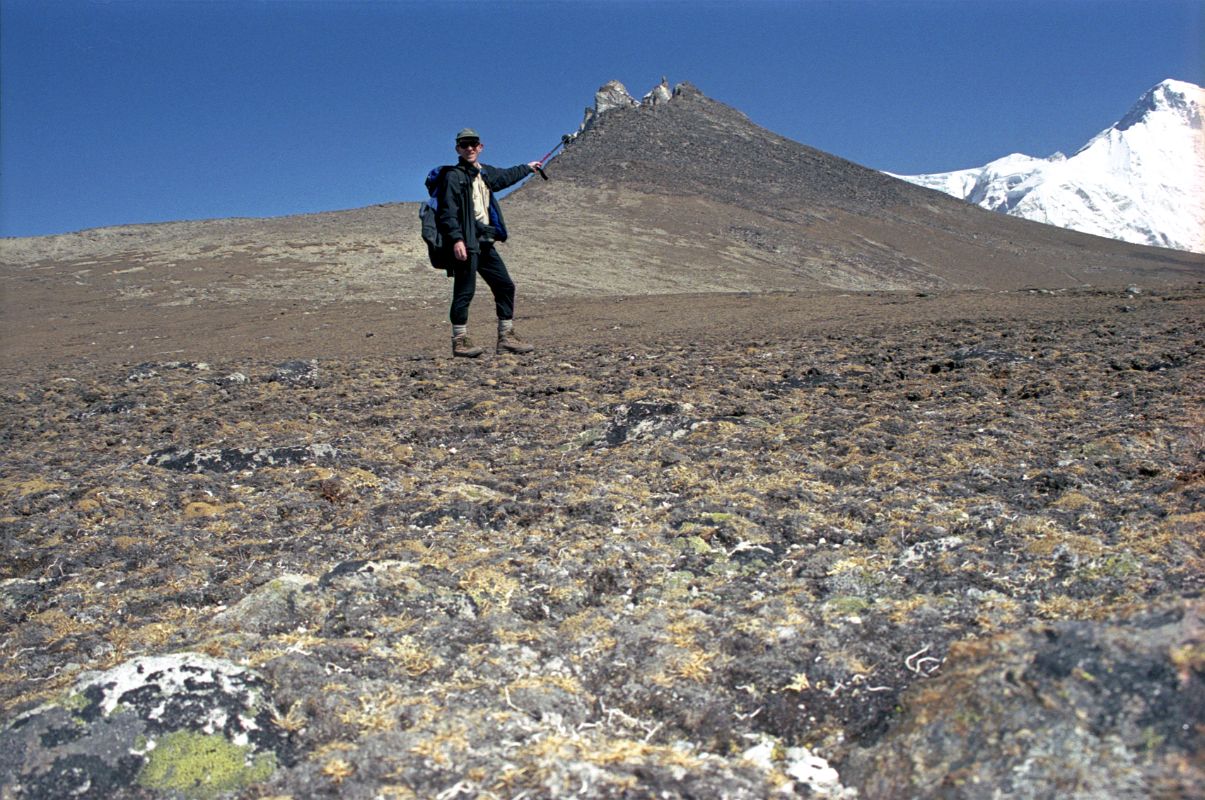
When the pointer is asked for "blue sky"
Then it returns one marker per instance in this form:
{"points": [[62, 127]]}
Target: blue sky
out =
{"points": [[125, 111]]}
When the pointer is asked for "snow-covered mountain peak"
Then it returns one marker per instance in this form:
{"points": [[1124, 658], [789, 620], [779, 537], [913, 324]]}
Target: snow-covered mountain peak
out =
{"points": [[1180, 100], [1140, 180]]}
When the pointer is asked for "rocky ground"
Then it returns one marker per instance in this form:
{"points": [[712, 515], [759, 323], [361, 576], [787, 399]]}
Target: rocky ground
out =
{"points": [[936, 548]]}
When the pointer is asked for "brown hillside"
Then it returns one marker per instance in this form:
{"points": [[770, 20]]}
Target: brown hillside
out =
{"points": [[690, 192]]}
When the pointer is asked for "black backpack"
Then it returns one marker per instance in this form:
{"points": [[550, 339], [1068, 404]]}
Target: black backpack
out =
{"points": [[440, 257]]}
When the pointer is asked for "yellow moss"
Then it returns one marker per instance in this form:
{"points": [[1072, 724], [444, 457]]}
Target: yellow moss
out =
{"points": [[401, 453], [1063, 607], [374, 712], [691, 666], [1074, 501], [887, 473], [413, 657], [1188, 658], [901, 610], [361, 477], [799, 683], [516, 636], [59, 623], [683, 634], [199, 509], [857, 563], [30, 486], [291, 719], [331, 747], [87, 505], [997, 611], [1107, 447], [488, 587], [442, 746], [559, 749], [591, 620], [202, 766], [566, 683], [338, 770], [1044, 536], [125, 542]]}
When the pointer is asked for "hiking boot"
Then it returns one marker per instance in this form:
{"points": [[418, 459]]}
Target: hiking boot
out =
{"points": [[509, 342], [462, 347]]}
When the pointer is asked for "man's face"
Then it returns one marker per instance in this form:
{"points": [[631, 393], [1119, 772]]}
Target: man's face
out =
{"points": [[469, 149]]}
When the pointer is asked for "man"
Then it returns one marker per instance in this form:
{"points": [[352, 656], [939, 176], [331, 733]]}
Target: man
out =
{"points": [[470, 218]]}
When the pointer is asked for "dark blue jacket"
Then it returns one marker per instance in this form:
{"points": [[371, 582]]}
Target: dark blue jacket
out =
{"points": [[454, 216]]}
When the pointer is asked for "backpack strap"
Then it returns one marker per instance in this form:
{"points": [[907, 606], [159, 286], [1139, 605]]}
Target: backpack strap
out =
{"points": [[434, 180]]}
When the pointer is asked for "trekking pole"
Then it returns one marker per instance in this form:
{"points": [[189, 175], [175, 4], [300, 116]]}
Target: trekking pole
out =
{"points": [[548, 155]]}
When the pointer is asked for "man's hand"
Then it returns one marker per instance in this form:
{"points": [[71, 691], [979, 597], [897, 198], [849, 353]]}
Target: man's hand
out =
{"points": [[535, 165], [460, 251]]}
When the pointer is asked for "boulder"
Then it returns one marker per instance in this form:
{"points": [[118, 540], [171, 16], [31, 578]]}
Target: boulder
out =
{"points": [[183, 725], [612, 95], [1067, 710], [279, 605]]}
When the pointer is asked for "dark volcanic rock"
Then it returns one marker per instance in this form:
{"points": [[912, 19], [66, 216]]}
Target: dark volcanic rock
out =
{"points": [[643, 420]]}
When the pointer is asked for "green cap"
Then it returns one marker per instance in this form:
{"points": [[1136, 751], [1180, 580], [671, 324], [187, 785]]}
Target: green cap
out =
{"points": [[467, 133]]}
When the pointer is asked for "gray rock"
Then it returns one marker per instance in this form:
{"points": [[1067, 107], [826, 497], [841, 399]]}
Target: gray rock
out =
{"points": [[297, 373], [279, 605], [16, 592], [647, 420], [182, 725], [1068, 710], [150, 369], [661, 93], [612, 95], [239, 459]]}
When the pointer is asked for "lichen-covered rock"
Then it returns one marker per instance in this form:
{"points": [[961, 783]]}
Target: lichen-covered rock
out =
{"points": [[238, 459], [184, 725], [279, 605], [298, 373], [1064, 710], [647, 420]]}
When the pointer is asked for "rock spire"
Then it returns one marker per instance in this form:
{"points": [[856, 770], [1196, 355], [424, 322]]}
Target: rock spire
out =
{"points": [[614, 95]]}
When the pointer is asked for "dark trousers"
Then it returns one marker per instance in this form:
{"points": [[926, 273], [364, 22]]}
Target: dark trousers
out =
{"points": [[489, 264]]}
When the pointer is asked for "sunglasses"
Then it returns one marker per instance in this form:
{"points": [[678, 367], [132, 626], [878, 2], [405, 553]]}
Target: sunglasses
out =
{"points": [[468, 145]]}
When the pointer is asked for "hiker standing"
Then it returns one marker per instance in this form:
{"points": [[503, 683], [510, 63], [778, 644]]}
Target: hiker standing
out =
{"points": [[470, 218]]}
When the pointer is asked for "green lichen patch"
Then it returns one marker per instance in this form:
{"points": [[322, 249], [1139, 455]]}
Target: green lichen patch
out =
{"points": [[199, 766]]}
